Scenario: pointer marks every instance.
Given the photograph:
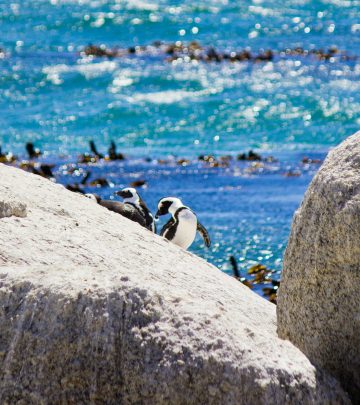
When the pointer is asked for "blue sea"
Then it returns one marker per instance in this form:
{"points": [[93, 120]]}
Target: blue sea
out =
{"points": [[294, 106]]}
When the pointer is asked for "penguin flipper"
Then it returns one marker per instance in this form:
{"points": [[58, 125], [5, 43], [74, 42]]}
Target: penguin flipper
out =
{"points": [[133, 214], [167, 226], [150, 223], [204, 234]]}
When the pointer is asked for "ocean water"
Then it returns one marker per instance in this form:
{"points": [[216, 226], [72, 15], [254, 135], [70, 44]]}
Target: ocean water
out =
{"points": [[290, 107]]}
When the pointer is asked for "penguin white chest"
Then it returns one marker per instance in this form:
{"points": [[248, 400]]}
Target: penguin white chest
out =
{"points": [[186, 229]]}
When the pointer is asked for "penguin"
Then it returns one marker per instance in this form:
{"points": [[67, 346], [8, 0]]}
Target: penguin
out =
{"points": [[126, 210], [183, 224], [132, 198]]}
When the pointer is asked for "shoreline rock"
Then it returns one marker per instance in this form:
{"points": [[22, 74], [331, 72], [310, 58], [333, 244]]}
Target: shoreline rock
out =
{"points": [[96, 309], [318, 300]]}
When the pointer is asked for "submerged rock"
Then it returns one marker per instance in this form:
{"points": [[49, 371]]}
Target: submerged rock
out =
{"points": [[319, 300], [96, 309]]}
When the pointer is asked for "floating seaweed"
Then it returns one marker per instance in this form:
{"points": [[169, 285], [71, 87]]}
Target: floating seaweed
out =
{"points": [[7, 157], [250, 156], [194, 51], [237, 275], [32, 152], [92, 157], [113, 154], [260, 274], [271, 292], [138, 183]]}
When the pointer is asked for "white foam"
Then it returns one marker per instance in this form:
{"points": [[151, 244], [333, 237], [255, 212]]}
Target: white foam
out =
{"points": [[169, 96], [89, 70], [141, 5]]}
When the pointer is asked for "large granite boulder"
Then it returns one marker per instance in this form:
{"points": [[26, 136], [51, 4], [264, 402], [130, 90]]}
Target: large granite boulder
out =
{"points": [[319, 299], [95, 309]]}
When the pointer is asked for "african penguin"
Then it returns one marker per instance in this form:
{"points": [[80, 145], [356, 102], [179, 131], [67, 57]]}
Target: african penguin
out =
{"points": [[131, 197], [183, 224], [126, 210]]}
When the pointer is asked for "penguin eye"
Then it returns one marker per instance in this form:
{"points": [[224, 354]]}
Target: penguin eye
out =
{"points": [[166, 205]]}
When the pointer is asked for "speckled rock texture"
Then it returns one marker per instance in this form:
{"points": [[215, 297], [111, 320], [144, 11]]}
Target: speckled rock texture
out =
{"points": [[319, 300], [95, 309], [11, 208]]}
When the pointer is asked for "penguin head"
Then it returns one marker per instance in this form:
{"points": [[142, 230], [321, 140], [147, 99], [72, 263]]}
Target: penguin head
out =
{"points": [[168, 205], [93, 197], [129, 194]]}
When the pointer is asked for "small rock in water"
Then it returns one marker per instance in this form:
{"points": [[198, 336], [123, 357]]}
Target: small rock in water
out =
{"points": [[307, 160]]}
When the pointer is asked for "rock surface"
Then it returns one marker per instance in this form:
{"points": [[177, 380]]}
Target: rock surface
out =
{"points": [[12, 208], [95, 309], [319, 300]]}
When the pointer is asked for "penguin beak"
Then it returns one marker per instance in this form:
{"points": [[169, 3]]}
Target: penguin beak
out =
{"points": [[157, 215]]}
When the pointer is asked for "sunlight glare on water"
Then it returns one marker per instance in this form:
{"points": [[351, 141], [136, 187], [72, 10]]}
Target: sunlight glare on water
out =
{"points": [[293, 105]]}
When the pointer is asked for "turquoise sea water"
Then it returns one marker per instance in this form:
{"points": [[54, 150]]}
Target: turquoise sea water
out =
{"points": [[292, 106]]}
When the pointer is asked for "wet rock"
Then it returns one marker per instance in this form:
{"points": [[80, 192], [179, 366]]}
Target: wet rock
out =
{"points": [[307, 160], [187, 52], [213, 55], [242, 56], [250, 156], [292, 173], [319, 300], [183, 162], [267, 56], [95, 309], [101, 51]]}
